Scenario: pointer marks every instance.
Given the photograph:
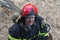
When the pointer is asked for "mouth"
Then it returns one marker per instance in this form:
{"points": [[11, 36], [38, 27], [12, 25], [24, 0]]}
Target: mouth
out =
{"points": [[30, 21]]}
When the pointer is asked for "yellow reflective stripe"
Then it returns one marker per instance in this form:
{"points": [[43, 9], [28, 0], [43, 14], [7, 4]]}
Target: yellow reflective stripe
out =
{"points": [[39, 33], [46, 34], [42, 34], [43, 25], [11, 38], [24, 39]]}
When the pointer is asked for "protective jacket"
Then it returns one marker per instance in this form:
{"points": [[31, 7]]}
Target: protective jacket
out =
{"points": [[38, 31]]}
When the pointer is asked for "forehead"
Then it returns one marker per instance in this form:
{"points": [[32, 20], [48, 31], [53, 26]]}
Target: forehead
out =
{"points": [[30, 17]]}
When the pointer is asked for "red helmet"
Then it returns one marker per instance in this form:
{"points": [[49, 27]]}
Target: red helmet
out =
{"points": [[28, 8]]}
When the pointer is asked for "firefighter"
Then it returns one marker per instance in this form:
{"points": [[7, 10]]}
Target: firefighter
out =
{"points": [[30, 25]]}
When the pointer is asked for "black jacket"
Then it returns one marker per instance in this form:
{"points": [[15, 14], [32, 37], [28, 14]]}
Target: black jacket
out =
{"points": [[18, 30]]}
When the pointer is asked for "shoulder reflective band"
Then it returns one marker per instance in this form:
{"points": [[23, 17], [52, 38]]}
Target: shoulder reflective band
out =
{"points": [[43, 34]]}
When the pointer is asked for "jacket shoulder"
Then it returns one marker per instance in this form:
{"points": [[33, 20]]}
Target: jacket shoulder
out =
{"points": [[14, 30]]}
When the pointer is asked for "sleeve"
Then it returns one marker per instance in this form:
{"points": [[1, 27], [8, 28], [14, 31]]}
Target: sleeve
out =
{"points": [[44, 31], [13, 32], [43, 28]]}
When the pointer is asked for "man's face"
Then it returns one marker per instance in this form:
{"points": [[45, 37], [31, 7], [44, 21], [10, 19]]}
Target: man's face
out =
{"points": [[29, 21]]}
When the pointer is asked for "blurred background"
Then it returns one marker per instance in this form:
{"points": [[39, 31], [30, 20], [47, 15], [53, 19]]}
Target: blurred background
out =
{"points": [[48, 9]]}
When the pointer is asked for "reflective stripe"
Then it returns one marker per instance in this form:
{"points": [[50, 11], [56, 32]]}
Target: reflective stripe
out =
{"points": [[39, 34], [43, 25], [11, 38], [46, 34], [24, 39], [42, 34], [29, 39]]}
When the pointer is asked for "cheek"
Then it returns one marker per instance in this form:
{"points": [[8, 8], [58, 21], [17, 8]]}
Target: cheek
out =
{"points": [[33, 19], [30, 19], [27, 19]]}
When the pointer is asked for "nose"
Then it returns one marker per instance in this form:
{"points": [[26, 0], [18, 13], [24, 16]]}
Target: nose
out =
{"points": [[31, 18]]}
